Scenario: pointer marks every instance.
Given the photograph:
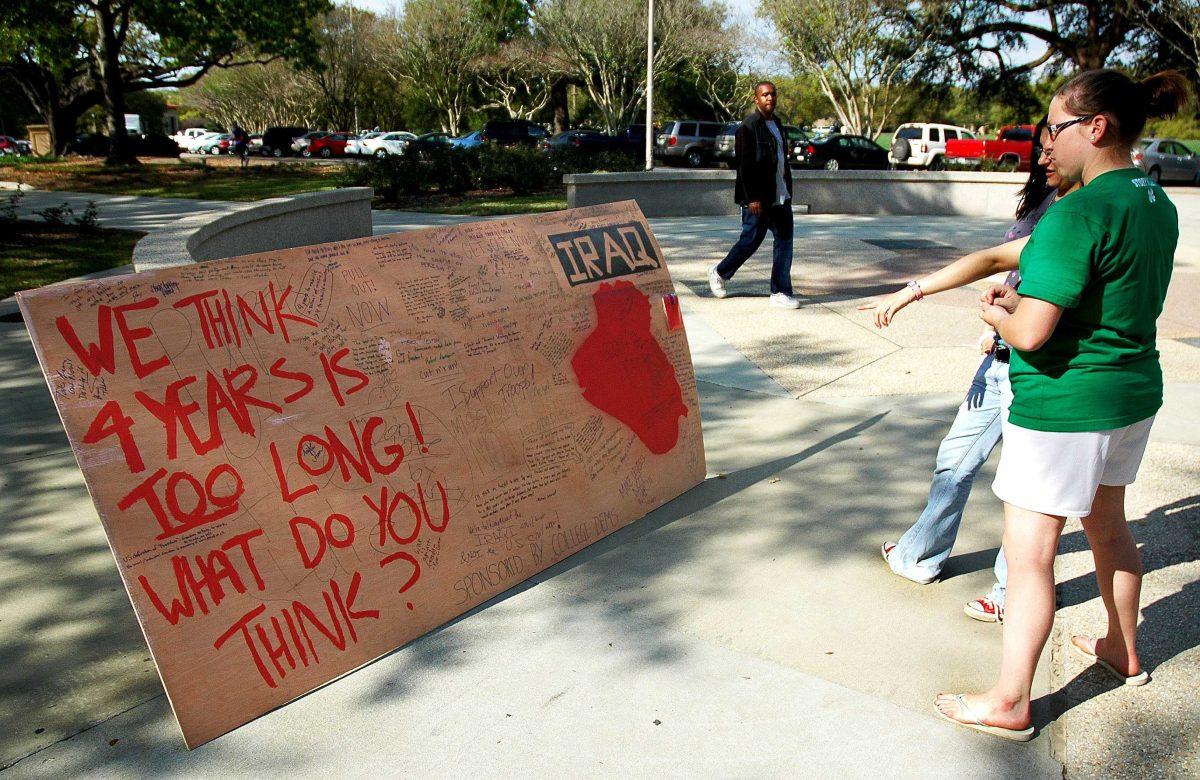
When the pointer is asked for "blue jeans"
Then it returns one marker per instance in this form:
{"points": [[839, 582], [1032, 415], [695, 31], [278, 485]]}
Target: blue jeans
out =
{"points": [[976, 430], [777, 220]]}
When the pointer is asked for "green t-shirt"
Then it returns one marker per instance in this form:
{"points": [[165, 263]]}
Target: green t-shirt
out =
{"points": [[1104, 253]]}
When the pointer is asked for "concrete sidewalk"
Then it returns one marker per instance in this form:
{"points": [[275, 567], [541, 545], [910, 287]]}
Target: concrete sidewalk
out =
{"points": [[748, 628]]}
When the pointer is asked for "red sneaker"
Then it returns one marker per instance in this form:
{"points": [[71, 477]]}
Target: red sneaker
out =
{"points": [[984, 610]]}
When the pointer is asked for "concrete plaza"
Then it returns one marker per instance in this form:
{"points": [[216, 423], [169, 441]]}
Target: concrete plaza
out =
{"points": [[747, 628]]}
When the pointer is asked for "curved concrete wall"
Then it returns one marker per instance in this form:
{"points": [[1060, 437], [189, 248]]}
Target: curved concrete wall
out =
{"points": [[278, 223], [679, 193]]}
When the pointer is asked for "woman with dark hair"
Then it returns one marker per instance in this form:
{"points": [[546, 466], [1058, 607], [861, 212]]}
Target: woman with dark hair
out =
{"points": [[1085, 380], [921, 552]]}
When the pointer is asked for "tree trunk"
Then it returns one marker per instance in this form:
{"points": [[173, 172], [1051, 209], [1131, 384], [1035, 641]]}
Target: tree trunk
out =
{"points": [[558, 99], [120, 151]]}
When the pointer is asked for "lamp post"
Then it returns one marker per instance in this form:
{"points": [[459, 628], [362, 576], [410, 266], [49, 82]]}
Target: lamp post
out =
{"points": [[353, 67], [650, 85]]}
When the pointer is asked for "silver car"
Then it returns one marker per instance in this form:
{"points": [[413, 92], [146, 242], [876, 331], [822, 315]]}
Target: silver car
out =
{"points": [[1167, 159], [688, 141], [726, 143]]}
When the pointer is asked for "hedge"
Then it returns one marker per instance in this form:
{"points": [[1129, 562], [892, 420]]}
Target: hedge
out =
{"points": [[487, 167]]}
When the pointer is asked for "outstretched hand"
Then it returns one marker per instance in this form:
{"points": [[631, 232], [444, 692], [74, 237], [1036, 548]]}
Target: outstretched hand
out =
{"points": [[887, 308]]}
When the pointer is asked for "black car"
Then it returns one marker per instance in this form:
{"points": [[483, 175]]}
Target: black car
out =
{"points": [[428, 142], [149, 145], [632, 140], [583, 140], [841, 151], [277, 141], [511, 132]]}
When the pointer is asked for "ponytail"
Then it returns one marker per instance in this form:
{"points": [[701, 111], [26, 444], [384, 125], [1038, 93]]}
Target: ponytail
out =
{"points": [[1166, 92]]}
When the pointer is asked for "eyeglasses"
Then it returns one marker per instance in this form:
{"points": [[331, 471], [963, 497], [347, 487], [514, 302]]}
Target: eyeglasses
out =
{"points": [[1054, 130]]}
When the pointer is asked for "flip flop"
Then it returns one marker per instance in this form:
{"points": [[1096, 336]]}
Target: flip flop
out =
{"points": [[1013, 735], [1141, 678]]}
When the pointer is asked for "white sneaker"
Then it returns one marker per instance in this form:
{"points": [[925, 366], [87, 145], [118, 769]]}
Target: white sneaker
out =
{"points": [[784, 301], [716, 283]]}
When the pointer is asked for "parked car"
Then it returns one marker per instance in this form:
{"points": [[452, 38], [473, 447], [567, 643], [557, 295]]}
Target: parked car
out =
{"points": [[388, 143], [632, 140], [183, 136], [428, 142], [839, 151], [277, 141], [199, 144], [331, 145], [14, 146], [513, 132], [301, 143], [355, 145], [221, 143], [468, 141], [154, 145], [1011, 148], [582, 139], [1167, 159], [256, 142], [923, 145], [724, 146], [688, 141]]}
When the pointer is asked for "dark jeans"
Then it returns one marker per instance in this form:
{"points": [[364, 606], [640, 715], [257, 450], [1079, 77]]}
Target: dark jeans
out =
{"points": [[776, 219]]}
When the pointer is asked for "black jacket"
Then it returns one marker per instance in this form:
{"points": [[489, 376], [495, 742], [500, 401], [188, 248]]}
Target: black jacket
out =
{"points": [[754, 153]]}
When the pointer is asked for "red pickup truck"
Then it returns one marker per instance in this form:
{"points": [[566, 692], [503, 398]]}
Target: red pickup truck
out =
{"points": [[1011, 148]]}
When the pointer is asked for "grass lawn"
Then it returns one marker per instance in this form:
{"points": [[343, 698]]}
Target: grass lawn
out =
{"points": [[175, 179], [485, 204], [33, 254]]}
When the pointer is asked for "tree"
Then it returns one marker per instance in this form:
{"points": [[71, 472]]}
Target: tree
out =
{"points": [[432, 51], [1177, 25], [256, 97], [100, 50], [41, 54], [862, 53], [347, 69], [985, 34], [721, 75], [516, 77], [601, 45]]}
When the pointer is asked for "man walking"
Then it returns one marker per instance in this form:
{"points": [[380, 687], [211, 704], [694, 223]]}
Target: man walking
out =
{"points": [[764, 191], [241, 144]]}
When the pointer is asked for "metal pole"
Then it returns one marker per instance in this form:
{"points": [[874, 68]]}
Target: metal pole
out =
{"points": [[350, 7], [650, 85]]}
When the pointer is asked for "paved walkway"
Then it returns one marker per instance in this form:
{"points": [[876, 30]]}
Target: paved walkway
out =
{"points": [[746, 628]]}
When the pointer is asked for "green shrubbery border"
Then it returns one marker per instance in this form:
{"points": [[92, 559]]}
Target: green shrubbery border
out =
{"points": [[451, 171]]}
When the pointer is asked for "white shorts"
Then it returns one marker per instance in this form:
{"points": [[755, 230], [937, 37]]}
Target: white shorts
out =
{"points": [[1057, 473]]}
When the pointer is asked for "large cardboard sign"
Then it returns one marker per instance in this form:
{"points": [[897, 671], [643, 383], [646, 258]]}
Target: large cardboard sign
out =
{"points": [[304, 459]]}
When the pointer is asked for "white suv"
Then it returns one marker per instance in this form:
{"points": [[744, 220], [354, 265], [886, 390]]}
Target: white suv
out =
{"points": [[922, 145]]}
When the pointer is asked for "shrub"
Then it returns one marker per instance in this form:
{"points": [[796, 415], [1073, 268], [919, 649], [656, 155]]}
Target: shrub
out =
{"points": [[89, 220], [57, 215], [521, 169], [450, 170], [8, 211]]}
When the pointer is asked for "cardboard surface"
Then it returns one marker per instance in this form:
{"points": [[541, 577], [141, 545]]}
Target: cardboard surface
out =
{"points": [[304, 459]]}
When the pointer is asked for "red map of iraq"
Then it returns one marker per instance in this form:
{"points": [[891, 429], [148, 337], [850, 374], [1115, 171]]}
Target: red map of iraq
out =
{"points": [[624, 372]]}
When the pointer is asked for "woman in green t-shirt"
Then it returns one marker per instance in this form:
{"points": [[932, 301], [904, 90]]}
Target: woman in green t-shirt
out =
{"points": [[1086, 382]]}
